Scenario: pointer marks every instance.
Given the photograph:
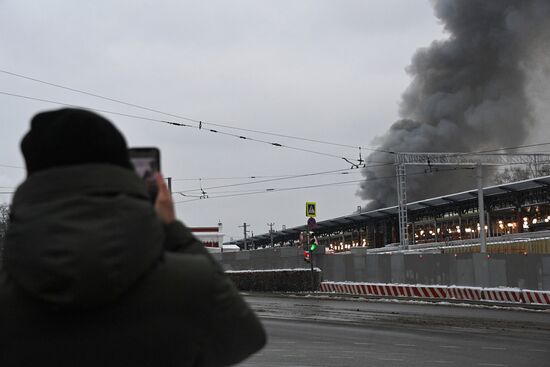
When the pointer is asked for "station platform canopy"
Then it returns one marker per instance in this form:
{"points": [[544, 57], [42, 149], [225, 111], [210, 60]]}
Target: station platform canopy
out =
{"points": [[363, 218]]}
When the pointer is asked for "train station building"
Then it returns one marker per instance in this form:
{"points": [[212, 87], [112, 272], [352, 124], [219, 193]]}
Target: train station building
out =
{"points": [[510, 209]]}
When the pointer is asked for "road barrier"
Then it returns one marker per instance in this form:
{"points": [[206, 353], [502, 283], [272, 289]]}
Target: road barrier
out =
{"points": [[437, 292], [537, 297]]}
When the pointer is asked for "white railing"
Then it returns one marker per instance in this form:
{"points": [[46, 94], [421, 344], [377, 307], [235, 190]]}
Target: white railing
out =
{"points": [[508, 238]]}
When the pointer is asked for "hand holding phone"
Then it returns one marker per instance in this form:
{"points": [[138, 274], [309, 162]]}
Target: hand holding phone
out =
{"points": [[164, 205], [146, 162]]}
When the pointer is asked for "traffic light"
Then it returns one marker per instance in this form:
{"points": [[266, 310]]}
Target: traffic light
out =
{"points": [[307, 256], [313, 245]]}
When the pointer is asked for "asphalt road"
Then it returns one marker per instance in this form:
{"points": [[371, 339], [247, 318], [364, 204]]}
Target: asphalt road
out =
{"points": [[325, 332]]}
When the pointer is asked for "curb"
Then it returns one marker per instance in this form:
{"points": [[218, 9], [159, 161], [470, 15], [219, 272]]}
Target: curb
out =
{"points": [[511, 296]]}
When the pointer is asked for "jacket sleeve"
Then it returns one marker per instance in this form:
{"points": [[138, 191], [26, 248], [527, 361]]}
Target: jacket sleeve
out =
{"points": [[236, 332], [180, 239]]}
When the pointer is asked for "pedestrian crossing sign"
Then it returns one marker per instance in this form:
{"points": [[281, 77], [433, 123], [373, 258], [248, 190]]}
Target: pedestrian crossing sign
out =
{"points": [[311, 209]]}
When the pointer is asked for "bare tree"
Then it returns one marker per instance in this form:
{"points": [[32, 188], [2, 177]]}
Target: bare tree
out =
{"points": [[4, 219], [519, 173]]}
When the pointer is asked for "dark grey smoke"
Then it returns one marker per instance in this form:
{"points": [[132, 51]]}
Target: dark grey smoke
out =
{"points": [[468, 92]]}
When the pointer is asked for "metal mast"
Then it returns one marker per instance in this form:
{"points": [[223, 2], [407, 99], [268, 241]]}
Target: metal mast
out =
{"points": [[454, 159], [402, 201]]}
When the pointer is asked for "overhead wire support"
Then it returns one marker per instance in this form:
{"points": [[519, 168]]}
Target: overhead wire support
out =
{"points": [[204, 195], [353, 165], [457, 159], [360, 160], [478, 160]]}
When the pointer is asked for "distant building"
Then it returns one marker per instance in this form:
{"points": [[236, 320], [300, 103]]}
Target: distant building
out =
{"points": [[209, 236]]}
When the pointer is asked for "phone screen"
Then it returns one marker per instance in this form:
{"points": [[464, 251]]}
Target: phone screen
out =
{"points": [[146, 162]]}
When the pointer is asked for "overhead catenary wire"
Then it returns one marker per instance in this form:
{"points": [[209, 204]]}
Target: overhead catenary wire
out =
{"points": [[343, 182], [265, 180], [504, 148], [200, 122], [268, 190], [210, 192], [11, 166], [514, 148], [271, 190], [228, 178], [228, 192], [189, 192], [179, 124], [276, 179], [340, 171], [254, 177]]}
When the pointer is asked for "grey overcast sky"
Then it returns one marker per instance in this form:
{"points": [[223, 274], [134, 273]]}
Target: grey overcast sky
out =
{"points": [[326, 70]]}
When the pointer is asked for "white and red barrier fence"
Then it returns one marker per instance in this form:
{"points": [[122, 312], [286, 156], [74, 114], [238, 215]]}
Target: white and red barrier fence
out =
{"points": [[440, 292]]}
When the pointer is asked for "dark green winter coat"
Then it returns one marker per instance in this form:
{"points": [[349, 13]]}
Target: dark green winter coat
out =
{"points": [[90, 277]]}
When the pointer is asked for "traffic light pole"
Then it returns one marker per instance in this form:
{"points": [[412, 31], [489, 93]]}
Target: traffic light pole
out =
{"points": [[311, 249], [312, 272]]}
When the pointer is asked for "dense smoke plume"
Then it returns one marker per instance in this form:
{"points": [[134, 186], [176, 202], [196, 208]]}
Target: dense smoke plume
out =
{"points": [[468, 93]]}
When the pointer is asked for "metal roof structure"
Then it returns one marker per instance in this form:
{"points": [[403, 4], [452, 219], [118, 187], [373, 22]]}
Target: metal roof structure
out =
{"points": [[358, 219]]}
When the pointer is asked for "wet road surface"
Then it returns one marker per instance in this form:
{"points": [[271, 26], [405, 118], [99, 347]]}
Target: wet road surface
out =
{"points": [[325, 332]]}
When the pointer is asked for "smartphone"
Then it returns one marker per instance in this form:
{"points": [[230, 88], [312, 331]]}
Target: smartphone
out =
{"points": [[146, 162]]}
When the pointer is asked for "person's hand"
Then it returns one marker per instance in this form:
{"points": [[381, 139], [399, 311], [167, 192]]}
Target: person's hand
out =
{"points": [[164, 205]]}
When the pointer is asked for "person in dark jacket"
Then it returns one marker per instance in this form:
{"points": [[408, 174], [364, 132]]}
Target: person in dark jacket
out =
{"points": [[94, 275]]}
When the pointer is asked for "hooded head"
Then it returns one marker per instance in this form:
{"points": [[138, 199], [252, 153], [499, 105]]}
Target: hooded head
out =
{"points": [[72, 136]]}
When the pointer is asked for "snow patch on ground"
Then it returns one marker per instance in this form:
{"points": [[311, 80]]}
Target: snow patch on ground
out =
{"points": [[272, 270]]}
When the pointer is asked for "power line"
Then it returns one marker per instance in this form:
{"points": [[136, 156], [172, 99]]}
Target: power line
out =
{"points": [[96, 95], [515, 148], [253, 177], [183, 125], [227, 178], [273, 179], [278, 178], [227, 192], [504, 148], [200, 122], [274, 190], [235, 191], [270, 190], [10, 166]]}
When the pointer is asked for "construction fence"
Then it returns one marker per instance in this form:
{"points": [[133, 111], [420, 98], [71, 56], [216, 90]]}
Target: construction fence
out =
{"points": [[516, 270]]}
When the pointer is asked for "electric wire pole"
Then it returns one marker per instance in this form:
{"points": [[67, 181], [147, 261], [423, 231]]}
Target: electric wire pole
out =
{"points": [[270, 225], [481, 209], [245, 233]]}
